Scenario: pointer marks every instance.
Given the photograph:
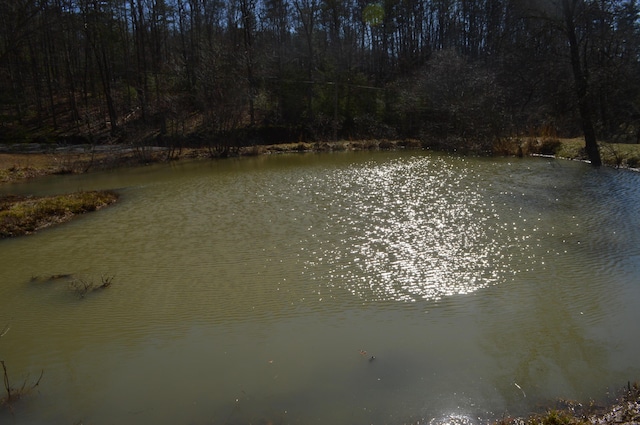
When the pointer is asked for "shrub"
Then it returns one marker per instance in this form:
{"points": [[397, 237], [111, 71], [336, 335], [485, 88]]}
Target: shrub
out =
{"points": [[549, 146], [411, 143], [507, 147], [544, 146], [386, 145]]}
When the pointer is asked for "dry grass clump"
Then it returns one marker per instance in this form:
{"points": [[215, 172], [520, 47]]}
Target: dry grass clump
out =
{"points": [[25, 215]]}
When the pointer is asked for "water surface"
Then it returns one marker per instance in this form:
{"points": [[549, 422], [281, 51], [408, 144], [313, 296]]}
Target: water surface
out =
{"points": [[249, 290]]}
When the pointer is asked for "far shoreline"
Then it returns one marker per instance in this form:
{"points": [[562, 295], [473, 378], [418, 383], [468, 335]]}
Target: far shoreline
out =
{"points": [[22, 162]]}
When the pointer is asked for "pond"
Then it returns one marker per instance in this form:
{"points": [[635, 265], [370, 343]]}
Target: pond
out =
{"points": [[344, 288]]}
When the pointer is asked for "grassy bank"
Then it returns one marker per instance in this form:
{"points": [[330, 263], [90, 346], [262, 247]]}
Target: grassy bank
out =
{"points": [[20, 215], [613, 154], [20, 166]]}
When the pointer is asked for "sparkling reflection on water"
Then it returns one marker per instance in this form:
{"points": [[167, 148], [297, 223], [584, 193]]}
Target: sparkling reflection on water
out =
{"points": [[249, 291], [410, 229]]}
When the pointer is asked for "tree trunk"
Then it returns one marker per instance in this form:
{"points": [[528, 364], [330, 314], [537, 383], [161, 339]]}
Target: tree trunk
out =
{"points": [[582, 85], [248, 27]]}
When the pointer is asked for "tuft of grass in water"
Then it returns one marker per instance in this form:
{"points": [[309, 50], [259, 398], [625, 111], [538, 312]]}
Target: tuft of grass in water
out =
{"points": [[11, 393], [25, 215]]}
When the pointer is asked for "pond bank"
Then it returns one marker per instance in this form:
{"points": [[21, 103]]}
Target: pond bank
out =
{"points": [[23, 162], [624, 411]]}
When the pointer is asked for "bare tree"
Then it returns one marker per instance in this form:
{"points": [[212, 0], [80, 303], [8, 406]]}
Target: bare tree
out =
{"points": [[570, 11]]}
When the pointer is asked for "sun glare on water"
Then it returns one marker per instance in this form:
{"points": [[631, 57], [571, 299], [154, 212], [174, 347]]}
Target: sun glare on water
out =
{"points": [[410, 230]]}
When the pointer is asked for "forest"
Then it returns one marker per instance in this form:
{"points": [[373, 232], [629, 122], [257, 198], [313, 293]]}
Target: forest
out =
{"points": [[461, 74]]}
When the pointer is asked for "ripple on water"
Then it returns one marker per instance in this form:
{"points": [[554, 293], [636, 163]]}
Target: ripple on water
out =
{"points": [[216, 274], [408, 230]]}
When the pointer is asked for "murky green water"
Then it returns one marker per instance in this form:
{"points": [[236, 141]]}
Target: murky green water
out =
{"points": [[245, 290]]}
